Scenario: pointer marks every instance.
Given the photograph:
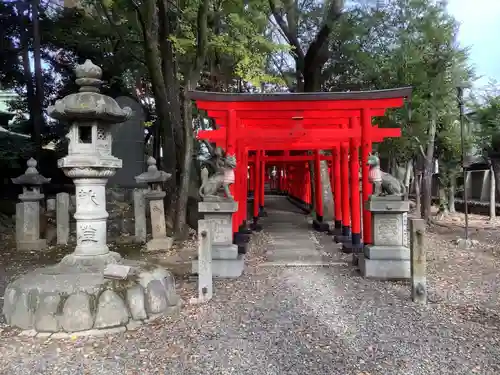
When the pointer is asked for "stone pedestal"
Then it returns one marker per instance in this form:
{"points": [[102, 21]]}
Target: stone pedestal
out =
{"points": [[92, 290], [226, 261], [28, 225], [140, 216], [160, 241], [389, 256]]}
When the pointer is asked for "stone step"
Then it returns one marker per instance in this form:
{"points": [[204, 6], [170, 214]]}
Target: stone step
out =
{"points": [[293, 252], [297, 243], [298, 263]]}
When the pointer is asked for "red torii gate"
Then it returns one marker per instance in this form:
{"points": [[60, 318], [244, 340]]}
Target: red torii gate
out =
{"points": [[303, 121]]}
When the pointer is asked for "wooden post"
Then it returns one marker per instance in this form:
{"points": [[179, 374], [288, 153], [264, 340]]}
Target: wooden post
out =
{"points": [[205, 289], [418, 261]]}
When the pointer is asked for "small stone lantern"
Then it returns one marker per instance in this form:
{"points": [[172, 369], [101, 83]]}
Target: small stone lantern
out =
{"points": [[28, 210], [155, 179]]}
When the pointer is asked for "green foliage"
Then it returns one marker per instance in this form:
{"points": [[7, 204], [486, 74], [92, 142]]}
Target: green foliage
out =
{"points": [[485, 121], [409, 43]]}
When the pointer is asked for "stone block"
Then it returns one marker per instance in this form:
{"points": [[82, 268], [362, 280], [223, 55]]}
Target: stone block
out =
{"points": [[158, 225], [76, 315], [349, 248], [22, 312], [46, 315], [387, 252], [31, 245], [135, 301], [242, 248], [389, 229], [384, 269], [224, 252], [111, 311], [387, 204], [62, 218], [140, 230], [207, 207], [51, 204], [320, 226], [224, 268], [156, 298], [222, 228], [342, 239], [157, 244], [28, 226]]}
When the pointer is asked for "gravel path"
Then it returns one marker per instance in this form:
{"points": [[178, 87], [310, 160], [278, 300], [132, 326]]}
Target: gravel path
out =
{"points": [[298, 320]]}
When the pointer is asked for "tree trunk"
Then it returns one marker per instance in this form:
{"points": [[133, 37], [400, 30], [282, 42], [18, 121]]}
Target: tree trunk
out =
{"points": [[28, 76], [443, 201], [428, 168], [192, 77], [418, 198], [452, 190], [407, 177], [493, 206], [495, 165], [38, 102], [182, 199]]}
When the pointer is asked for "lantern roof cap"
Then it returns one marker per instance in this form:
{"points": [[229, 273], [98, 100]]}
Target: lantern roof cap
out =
{"points": [[89, 104], [31, 177], [152, 174]]}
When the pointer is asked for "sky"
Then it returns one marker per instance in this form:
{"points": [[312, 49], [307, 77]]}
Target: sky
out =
{"points": [[479, 27]]}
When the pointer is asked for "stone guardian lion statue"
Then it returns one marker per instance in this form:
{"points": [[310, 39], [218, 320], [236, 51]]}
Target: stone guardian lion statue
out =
{"points": [[383, 183], [219, 182]]}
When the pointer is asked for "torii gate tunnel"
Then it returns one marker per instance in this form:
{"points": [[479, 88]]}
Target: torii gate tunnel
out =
{"points": [[264, 130]]}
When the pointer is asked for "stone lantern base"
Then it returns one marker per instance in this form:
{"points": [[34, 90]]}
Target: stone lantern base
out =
{"points": [[66, 300]]}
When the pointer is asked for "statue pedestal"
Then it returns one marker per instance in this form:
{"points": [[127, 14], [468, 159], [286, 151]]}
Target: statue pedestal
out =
{"points": [[226, 262], [388, 258]]}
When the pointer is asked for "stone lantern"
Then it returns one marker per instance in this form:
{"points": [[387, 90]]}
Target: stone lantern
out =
{"points": [[155, 194], [28, 210], [92, 289]]}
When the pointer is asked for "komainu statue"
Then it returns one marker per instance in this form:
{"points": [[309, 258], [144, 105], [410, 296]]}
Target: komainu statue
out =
{"points": [[383, 183], [212, 185]]}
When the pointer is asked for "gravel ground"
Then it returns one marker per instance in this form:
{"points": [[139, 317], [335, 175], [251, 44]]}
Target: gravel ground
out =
{"points": [[304, 321]]}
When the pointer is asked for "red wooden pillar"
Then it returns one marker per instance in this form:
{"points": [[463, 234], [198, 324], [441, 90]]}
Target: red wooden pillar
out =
{"points": [[237, 189], [251, 177], [318, 191], [344, 177], [354, 174], [244, 186], [366, 148], [231, 129], [256, 191], [263, 179], [337, 193]]}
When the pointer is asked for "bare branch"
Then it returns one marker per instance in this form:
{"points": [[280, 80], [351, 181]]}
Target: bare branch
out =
{"points": [[317, 53], [291, 35], [117, 30]]}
